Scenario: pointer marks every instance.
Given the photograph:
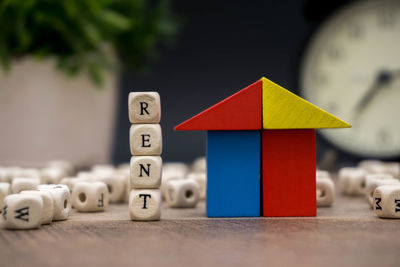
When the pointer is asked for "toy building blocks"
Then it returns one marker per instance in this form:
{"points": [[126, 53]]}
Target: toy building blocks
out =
{"points": [[261, 152]]}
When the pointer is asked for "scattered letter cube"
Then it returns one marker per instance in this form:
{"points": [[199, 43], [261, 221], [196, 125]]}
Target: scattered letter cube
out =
{"points": [[48, 204], [90, 196], [144, 107], [325, 192], [201, 179], [61, 199], [182, 193], [387, 201], [145, 204], [22, 184], [22, 211]]}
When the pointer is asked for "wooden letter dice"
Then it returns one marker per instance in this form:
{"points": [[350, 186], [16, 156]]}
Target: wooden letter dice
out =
{"points": [[146, 171], [387, 201], [90, 196], [182, 193], [22, 211], [4, 191], [61, 199], [144, 107], [375, 180], [201, 179], [325, 192], [352, 181], [22, 184], [145, 140], [145, 204], [48, 204]]}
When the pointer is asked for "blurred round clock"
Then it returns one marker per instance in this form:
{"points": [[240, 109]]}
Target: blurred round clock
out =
{"points": [[351, 68]]}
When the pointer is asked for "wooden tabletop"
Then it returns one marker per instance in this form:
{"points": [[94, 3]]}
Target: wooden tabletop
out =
{"points": [[347, 234]]}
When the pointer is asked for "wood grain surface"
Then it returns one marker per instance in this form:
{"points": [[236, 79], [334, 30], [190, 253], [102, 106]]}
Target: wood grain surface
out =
{"points": [[347, 234]]}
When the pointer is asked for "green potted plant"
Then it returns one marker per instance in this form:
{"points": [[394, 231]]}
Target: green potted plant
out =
{"points": [[58, 76]]}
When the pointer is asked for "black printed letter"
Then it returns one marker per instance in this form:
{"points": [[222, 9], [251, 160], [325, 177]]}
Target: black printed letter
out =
{"points": [[397, 202], [144, 140], [101, 201], [143, 107], [23, 214], [145, 199], [377, 202], [142, 168]]}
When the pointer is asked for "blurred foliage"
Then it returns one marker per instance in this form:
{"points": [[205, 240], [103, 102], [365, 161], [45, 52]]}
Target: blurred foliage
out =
{"points": [[83, 34]]}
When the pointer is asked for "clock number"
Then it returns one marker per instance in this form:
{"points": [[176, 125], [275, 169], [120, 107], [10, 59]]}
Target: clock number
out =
{"points": [[386, 18], [383, 137], [355, 31]]}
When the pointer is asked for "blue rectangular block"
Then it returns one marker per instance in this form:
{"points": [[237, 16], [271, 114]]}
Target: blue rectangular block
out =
{"points": [[233, 173]]}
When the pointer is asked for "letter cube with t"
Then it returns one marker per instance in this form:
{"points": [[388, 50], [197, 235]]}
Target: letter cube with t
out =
{"points": [[145, 140], [22, 211], [144, 107], [146, 171], [387, 201], [145, 204], [90, 196]]}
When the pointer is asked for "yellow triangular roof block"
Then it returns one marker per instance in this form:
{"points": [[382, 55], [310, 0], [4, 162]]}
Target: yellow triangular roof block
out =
{"points": [[284, 110]]}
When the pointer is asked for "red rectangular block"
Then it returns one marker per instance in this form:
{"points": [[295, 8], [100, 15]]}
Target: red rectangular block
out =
{"points": [[288, 173]]}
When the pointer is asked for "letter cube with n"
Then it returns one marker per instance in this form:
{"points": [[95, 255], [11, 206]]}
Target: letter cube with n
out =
{"points": [[145, 140], [387, 201], [145, 204], [144, 107], [146, 171]]}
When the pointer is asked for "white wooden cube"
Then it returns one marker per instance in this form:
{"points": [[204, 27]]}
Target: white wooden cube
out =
{"points": [[145, 204], [63, 164], [89, 197], [146, 172], [144, 107], [352, 181], [182, 193], [48, 204], [199, 165], [201, 179], [387, 201], [392, 168], [29, 173], [52, 175], [22, 211], [145, 140], [61, 199], [325, 192], [70, 182], [115, 184], [4, 191], [375, 180], [11, 173], [322, 173], [22, 184], [178, 169]]}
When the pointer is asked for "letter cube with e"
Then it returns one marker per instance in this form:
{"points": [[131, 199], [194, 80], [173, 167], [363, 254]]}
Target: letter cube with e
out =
{"points": [[146, 171], [145, 204], [182, 193], [145, 140], [48, 204], [387, 201], [144, 107], [90, 196], [22, 211]]}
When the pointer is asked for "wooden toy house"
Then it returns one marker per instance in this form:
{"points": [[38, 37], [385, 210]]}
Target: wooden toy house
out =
{"points": [[261, 152]]}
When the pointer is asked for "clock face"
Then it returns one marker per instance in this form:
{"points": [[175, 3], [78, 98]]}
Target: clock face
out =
{"points": [[352, 70]]}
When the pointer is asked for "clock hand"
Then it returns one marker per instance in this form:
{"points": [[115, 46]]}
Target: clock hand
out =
{"points": [[382, 79]]}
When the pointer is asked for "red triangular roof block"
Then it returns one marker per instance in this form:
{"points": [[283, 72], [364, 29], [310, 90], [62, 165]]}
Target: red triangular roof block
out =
{"points": [[241, 111]]}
